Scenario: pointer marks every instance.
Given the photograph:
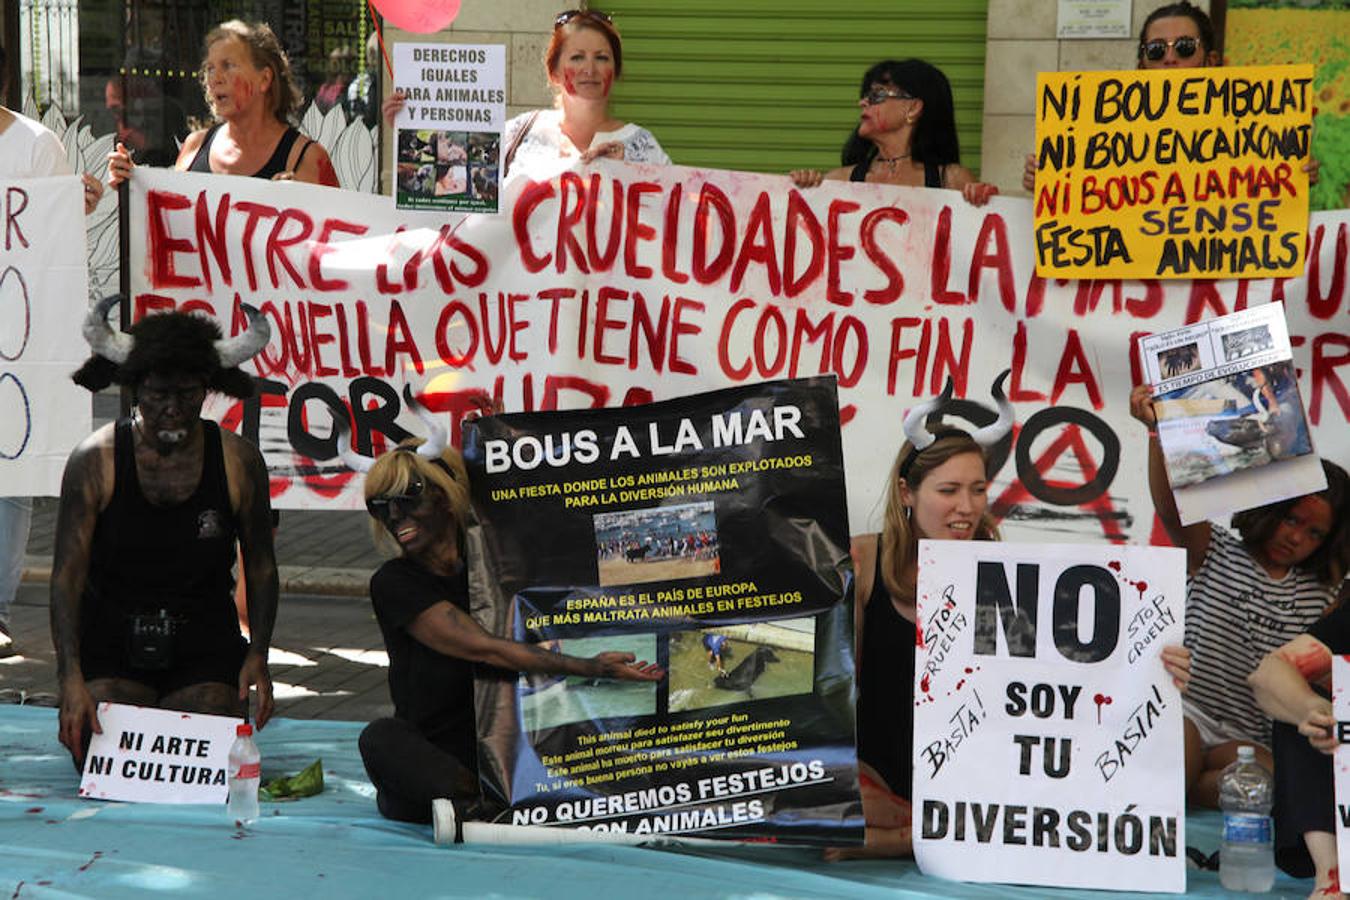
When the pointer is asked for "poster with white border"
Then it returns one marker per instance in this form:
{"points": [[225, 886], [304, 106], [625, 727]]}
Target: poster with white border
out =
{"points": [[149, 755], [1047, 734], [448, 136], [1340, 708], [44, 291]]}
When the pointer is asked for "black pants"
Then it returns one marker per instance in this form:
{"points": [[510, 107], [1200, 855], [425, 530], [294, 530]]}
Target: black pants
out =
{"points": [[1304, 798], [409, 772]]}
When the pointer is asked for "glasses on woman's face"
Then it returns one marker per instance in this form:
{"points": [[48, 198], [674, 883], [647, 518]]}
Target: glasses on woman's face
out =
{"points": [[387, 507], [881, 95], [568, 15], [1156, 49]]}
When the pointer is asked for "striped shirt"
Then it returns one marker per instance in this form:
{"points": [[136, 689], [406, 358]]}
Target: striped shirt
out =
{"points": [[1235, 615]]}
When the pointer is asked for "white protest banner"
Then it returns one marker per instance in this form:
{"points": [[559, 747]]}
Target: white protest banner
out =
{"points": [[44, 291], [149, 755], [612, 284], [448, 136], [1340, 708], [1047, 734]]}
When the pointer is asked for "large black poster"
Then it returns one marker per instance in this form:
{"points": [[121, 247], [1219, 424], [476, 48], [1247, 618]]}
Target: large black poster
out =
{"points": [[707, 535]]}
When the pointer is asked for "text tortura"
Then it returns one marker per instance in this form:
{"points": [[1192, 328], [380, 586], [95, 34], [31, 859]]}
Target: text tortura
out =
{"points": [[730, 429]]}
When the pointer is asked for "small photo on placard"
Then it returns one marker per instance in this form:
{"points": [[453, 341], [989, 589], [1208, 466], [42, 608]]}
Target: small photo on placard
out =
{"points": [[662, 543]]}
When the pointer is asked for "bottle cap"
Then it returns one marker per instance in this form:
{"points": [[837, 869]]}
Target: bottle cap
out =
{"points": [[1246, 752], [246, 730]]}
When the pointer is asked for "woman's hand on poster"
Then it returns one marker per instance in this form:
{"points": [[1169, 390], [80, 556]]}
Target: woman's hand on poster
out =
{"points": [[1141, 406], [977, 193], [806, 178], [1319, 725], [1176, 659], [1029, 174], [119, 165], [620, 666], [609, 149], [392, 106], [93, 192], [1313, 168]]}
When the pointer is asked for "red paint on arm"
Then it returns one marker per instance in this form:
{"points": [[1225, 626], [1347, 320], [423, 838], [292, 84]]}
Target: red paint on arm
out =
{"points": [[327, 174], [1312, 664]]}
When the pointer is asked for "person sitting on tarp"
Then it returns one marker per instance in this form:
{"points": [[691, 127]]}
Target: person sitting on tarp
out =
{"points": [[418, 499], [716, 645], [1249, 593], [1292, 686], [142, 594]]}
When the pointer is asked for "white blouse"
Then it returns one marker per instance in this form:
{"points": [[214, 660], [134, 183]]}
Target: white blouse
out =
{"points": [[545, 149]]}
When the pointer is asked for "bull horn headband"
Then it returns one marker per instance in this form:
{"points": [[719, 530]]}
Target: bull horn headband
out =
{"points": [[921, 438], [430, 449], [115, 346]]}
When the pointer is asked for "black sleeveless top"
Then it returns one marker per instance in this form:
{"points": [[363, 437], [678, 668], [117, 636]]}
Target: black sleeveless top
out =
{"points": [[932, 174], [178, 558], [886, 690], [275, 165]]}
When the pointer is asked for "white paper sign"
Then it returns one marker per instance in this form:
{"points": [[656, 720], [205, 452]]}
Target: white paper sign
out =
{"points": [[44, 291], [1047, 735], [158, 756], [1093, 19], [448, 136], [1340, 707]]}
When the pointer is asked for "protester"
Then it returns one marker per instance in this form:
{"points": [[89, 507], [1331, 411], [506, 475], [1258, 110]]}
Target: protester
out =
{"points": [[247, 80], [906, 134], [1248, 595], [716, 645], [1175, 36], [1292, 686], [583, 60], [418, 499], [27, 150], [151, 507]]}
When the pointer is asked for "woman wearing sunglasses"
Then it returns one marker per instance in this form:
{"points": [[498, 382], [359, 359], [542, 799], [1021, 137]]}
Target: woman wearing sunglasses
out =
{"points": [[1175, 36], [906, 134], [583, 60], [418, 499]]}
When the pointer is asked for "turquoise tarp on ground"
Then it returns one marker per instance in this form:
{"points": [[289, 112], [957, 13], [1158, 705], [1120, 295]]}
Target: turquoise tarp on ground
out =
{"points": [[55, 845]]}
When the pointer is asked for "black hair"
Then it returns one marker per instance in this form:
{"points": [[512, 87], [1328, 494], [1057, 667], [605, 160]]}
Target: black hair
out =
{"points": [[4, 74], [1181, 10], [935, 140], [1330, 561], [168, 344]]}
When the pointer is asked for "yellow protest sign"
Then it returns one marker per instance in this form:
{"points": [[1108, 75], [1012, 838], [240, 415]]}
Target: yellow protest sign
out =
{"points": [[1183, 173]]}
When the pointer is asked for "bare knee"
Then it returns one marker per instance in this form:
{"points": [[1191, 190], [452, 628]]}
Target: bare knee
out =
{"points": [[210, 698]]}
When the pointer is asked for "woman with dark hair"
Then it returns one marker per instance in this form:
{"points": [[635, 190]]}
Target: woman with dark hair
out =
{"points": [[246, 77], [906, 134], [583, 59], [1249, 594]]}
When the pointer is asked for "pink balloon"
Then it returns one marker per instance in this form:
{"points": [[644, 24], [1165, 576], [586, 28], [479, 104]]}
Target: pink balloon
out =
{"points": [[418, 16]]}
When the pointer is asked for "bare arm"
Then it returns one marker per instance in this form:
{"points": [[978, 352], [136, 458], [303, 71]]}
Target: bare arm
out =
{"points": [[189, 150], [447, 629], [1283, 688], [253, 513], [1193, 538], [316, 167], [84, 489]]}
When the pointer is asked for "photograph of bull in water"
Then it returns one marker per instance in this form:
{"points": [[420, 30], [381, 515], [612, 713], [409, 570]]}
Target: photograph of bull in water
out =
{"points": [[736, 663], [1222, 426], [662, 543]]}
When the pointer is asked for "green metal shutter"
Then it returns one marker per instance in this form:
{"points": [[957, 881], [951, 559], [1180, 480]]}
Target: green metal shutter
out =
{"points": [[772, 85]]}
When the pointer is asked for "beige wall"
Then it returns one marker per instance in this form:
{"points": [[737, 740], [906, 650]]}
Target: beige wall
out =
{"points": [[1022, 42], [523, 26]]}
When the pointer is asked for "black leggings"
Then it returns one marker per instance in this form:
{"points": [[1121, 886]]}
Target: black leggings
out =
{"points": [[409, 771], [1304, 792]]}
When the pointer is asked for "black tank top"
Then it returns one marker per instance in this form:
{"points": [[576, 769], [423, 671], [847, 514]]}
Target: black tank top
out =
{"points": [[932, 174], [886, 690], [275, 165], [178, 558]]}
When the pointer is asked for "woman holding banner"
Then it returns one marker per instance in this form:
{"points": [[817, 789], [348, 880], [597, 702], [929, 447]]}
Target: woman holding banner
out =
{"points": [[583, 60], [418, 499], [906, 134], [247, 80], [1175, 36], [1249, 594]]}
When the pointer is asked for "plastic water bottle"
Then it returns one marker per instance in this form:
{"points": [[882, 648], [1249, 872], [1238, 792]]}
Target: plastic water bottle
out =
{"points": [[245, 772], [1246, 856]]}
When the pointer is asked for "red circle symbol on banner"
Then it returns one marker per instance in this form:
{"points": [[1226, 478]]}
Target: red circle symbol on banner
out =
{"points": [[418, 16]]}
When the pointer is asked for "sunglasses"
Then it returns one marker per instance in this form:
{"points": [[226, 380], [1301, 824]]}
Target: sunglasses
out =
{"points": [[881, 95], [568, 15], [386, 507], [1154, 50]]}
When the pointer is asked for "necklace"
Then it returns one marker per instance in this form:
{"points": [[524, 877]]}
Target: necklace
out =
{"points": [[892, 160]]}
